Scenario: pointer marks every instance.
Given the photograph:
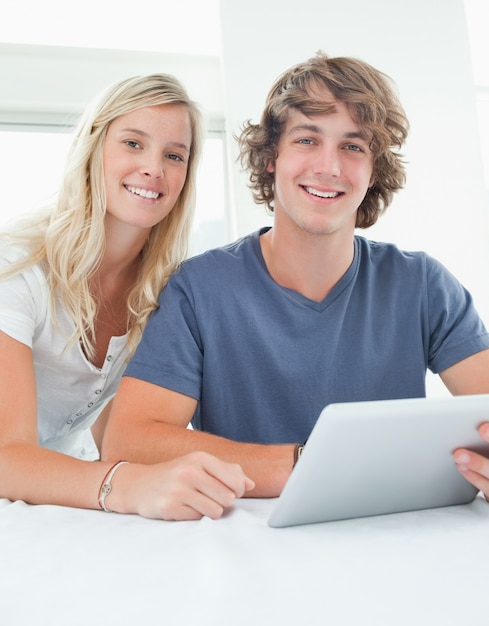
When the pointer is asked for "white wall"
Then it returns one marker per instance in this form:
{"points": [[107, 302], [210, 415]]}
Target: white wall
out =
{"points": [[423, 46]]}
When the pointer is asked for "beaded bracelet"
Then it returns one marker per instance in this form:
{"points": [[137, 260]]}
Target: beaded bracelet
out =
{"points": [[106, 486]]}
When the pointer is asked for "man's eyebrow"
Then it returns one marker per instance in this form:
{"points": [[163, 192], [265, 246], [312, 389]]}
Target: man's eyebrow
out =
{"points": [[142, 133], [357, 134], [313, 128], [299, 128]]}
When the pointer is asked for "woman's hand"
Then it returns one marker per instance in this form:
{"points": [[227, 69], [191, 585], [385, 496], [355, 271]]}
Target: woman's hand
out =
{"points": [[187, 488]]}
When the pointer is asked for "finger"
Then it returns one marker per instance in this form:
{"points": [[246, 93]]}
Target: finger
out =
{"points": [[180, 513], [474, 467], [192, 485], [229, 474], [484, 431], [169, 509], [204, 506], [249, 484], [188, 503], [183, 504], [212, 487]]}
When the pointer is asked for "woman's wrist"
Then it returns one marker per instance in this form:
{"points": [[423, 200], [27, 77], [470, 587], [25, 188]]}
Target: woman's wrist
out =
{"points": [[106, 485]]}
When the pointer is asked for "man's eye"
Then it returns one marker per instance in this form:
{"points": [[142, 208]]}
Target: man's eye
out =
{"points": [[354, 148], [305, 141]]}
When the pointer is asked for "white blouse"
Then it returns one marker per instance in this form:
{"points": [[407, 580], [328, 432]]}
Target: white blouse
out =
{"points": [[71, 391]]}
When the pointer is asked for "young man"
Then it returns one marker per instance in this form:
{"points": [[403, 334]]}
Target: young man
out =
{"points": [[251, 341]]}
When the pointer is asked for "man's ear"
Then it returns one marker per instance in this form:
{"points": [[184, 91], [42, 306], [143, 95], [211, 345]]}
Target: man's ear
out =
{"points": [[271, 167]]}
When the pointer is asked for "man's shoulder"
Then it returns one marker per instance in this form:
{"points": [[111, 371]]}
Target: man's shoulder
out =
{"points": [[386, 262], [223, 257], [381, 251]]}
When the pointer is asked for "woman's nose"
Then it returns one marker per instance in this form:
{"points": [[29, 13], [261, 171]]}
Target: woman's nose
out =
{"points": [[153, 166]]}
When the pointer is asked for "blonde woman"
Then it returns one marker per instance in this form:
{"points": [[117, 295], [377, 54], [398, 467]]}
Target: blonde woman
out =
{"points": [[77, 285]]}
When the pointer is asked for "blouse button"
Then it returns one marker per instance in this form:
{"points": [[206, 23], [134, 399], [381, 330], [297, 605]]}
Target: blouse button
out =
{"points": [[109, 358], [90, 404], [97, 391]]}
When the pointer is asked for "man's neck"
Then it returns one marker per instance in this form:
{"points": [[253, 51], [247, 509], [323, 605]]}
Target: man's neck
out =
{"points": [[308, 264]]}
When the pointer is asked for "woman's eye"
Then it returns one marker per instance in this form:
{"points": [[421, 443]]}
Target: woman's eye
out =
{"points": [[132, 144], [175, 157]]}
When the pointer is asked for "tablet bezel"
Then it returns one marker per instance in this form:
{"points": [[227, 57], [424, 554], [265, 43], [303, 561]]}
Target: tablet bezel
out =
{"points": [[381, 457]]}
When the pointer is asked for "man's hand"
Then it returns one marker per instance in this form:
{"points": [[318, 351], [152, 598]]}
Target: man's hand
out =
{"points": [[475, 467]]}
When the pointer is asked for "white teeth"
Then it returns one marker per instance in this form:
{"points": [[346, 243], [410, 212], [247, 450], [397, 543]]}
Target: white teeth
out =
{"points": [[322, 194], [143, 192]]}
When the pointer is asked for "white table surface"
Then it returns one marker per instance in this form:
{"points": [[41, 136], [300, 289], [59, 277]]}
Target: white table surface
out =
{"points": [[63, 566]]}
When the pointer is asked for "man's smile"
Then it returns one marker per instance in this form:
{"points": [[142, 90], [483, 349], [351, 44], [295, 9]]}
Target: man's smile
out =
{"points": [[321, 194]]}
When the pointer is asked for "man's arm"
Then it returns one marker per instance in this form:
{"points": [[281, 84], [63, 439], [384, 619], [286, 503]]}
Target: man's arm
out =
{"points": [[471, 376], [148, 424]]}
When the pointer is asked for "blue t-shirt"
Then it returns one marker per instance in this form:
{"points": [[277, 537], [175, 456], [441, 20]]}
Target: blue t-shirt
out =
{"points": [[264, 360]]}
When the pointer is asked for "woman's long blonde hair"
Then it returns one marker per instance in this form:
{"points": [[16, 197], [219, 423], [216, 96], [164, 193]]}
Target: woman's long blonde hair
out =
{"points": [[69, 239]]}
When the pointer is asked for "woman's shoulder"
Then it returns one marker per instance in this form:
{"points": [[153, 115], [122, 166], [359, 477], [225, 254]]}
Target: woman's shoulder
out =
{"points": [[15, 260]]}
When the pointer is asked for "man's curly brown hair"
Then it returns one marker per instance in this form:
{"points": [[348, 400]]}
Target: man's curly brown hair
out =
{"points": [[372, 103]]}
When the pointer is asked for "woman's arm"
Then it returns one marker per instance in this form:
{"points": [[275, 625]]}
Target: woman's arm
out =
{"points": [[187, 488]]}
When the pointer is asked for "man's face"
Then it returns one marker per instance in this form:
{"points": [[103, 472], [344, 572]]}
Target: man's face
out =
{"points": [[323, 170]]}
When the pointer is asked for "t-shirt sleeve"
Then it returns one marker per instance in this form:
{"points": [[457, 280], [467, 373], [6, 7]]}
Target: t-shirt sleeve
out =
{"points": [[456, 329], [23, 303], [170, 351]]}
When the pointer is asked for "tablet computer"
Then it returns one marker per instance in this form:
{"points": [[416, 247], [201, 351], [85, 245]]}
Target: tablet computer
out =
{"points": [[385, 456]]}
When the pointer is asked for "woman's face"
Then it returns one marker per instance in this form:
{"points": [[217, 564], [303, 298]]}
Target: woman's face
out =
{"points": [[145, 157]]}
